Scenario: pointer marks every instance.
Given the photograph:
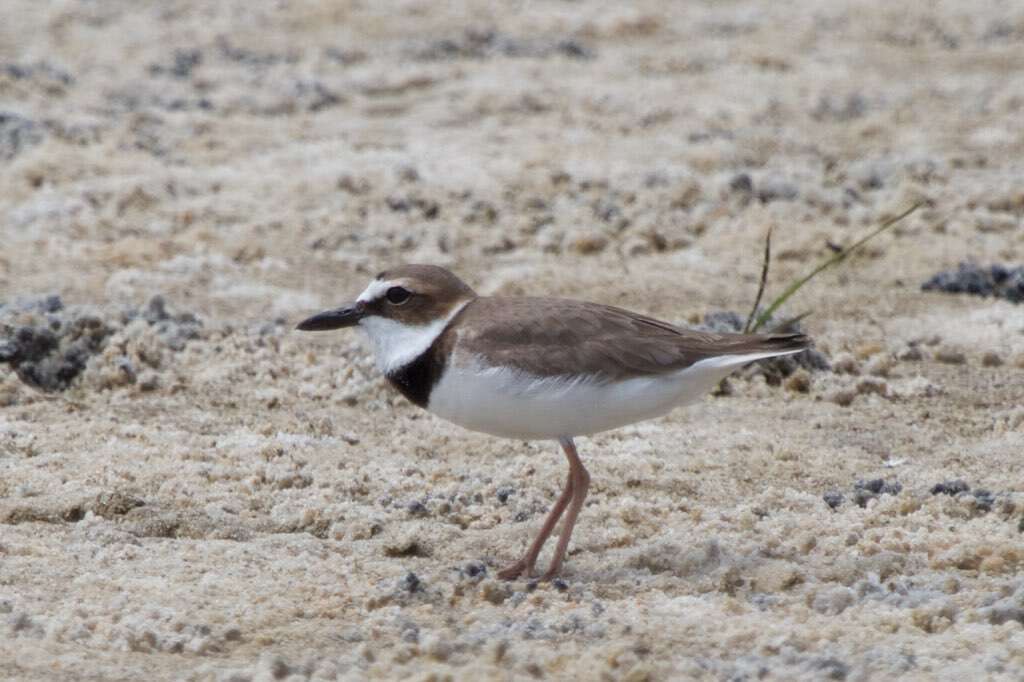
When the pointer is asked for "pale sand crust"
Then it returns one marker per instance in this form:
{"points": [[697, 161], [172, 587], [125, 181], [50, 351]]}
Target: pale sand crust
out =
{"points": [[269, 544]]}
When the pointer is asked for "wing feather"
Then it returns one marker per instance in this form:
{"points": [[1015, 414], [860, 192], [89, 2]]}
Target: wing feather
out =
{"points": [[544, 336]]}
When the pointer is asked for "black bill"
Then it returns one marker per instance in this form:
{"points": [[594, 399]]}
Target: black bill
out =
{"points": [[339, 318]]}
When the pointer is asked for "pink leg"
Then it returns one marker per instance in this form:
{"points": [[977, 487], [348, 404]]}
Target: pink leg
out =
{"points": [[580, 482], [525, 565], [572, 496]]}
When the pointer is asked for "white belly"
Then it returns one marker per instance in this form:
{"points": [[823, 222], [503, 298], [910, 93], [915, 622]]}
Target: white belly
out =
{"points": [[512, 404]]}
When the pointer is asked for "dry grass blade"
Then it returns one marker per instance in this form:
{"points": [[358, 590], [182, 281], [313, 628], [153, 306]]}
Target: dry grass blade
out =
{"points": [[795, 286], [764, 278]]}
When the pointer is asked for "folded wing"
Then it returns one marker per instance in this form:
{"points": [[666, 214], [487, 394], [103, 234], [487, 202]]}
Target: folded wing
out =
{"points": [[545, 336]]}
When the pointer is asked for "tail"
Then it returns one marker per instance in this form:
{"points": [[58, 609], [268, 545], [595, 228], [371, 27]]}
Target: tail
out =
{"points": [[739, 349], [782, 343]]}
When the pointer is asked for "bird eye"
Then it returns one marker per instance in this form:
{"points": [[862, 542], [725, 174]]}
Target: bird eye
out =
{"points": [[398, 295]]}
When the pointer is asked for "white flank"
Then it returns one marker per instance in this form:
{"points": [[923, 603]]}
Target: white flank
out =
{"points": [[512, 404], [396, 344]]}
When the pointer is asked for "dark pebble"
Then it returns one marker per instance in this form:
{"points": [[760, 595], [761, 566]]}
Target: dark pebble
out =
{"points": [[181, 66], [866, 490], [875, 485], [841, 109], [50, 304], [411, 583], [984, 500], [417, 509], [28, 344], [51, 355], [892, 488], [573, 50], [861, 497], [156, 310], [832, 668], [833, 498], [742, 183], [504, 492], [410, 634], [723, 321], [773, 189], [950, 487], [560, 584], [996, 280], [475, 569], [17, 134], [485, 44]]}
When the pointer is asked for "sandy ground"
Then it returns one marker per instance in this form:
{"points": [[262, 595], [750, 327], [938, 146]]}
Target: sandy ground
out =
{"points": [[203, 494]]}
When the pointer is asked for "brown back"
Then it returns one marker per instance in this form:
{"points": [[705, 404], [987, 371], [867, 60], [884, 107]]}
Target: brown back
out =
{"points": [[544, 336]]}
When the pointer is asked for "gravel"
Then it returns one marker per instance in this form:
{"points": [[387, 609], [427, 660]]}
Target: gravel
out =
{"points": [[50, 345], [999, 281]]}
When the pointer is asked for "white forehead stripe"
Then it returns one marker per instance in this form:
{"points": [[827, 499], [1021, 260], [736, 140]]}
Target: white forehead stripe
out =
{"points": [[374, 291]]}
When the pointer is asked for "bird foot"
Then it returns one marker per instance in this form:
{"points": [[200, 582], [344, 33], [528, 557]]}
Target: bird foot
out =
{"points": [[550, 575], [521, 568]]}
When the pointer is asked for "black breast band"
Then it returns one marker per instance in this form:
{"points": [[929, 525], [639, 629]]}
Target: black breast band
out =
{"points": [[416, 379]]}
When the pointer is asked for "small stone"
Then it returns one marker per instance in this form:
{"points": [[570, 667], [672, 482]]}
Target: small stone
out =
{"points": [[494, 592], [641, 672], [950, 356], [911, 354], [832, 668], [954, 487], [637, 246], [799, 381], [983, 500], [149, 381], [879, 366], [406, 545], [722, 321], [742, 184], [560, 584], [861, 497], [867, 490], [498, 650], [437, 648], [869, 385], [411, 583], [833, 600], [586, 242], [991, 359], [833, 498], [868, 350], [475, 570], [873, 485], [845, 363], [115, 503], [687, 193], [892, 488], [776, 189], [843, 397]]}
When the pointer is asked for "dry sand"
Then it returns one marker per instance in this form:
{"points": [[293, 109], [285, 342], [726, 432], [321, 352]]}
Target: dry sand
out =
{"points": [[219, 498]]}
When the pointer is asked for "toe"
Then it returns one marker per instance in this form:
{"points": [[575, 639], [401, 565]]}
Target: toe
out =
{"points": [[516, 570]]}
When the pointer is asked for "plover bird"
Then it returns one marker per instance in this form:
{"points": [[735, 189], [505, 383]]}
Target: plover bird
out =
{"points": [[537, 368]]}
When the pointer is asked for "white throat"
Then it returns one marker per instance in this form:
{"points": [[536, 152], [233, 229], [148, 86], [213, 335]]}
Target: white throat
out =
{"points": [[396, 345]]}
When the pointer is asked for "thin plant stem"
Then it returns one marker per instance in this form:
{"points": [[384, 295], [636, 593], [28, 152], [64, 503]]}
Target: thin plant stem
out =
{"points": [[795, 286], [764, 278]]}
